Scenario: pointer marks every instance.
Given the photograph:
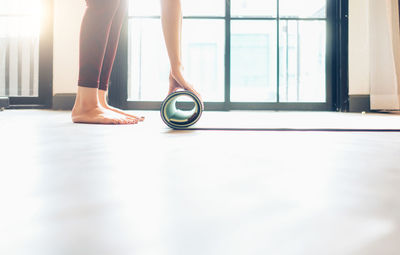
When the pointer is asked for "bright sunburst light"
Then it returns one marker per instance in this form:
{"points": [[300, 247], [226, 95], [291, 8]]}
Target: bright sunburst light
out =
{"points": [[20, 18]]}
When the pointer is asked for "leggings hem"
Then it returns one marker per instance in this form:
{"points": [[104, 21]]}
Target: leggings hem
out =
{"points": [[88, 84], [103, 86]]}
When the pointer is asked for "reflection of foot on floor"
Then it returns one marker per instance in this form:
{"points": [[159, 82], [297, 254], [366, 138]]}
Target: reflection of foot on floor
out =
{"points": [[105, 105]]}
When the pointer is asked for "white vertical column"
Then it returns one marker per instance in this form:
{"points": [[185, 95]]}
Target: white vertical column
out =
{"points": [[3, 49], [359, 36]]}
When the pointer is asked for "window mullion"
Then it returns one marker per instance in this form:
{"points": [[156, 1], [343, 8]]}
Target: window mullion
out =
{"points": [[227, 54], [277, 52]]}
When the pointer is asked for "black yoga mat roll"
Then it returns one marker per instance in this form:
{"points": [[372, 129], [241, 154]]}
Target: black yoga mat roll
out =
{"points": [[174, 114]]}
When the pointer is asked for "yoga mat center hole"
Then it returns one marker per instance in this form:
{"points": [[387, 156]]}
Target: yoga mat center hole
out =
{"points": [[185, 103]]}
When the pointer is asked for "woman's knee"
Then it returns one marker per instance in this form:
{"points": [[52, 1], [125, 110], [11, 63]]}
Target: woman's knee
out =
{"points": [[122, 8], [106, 5]]}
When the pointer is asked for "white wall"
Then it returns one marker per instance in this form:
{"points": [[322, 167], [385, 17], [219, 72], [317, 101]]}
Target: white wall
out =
{"points": [[359, 78], [67, 18], [68, 15]]}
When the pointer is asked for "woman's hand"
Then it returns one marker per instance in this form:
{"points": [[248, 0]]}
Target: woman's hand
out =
{"points": [[176, 81]]}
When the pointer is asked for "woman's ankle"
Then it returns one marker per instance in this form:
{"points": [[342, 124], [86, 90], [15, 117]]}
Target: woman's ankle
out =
{"points": [[87, 98], [102, 96]]}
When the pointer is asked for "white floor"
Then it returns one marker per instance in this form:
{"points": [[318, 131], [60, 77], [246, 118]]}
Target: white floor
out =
{"points": [[75, 189]]}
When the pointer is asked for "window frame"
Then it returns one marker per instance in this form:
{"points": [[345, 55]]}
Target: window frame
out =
{"points": [[45, 93], [336, 67]]}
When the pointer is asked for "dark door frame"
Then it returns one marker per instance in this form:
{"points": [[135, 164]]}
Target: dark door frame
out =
{"points": [[337, 71]]}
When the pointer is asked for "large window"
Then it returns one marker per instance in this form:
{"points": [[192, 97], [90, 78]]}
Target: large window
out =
{"points": [[203, 49], [239, 54], [23, 30]]}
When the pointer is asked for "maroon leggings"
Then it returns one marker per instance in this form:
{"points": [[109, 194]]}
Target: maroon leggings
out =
{"points": [[100, 31]]}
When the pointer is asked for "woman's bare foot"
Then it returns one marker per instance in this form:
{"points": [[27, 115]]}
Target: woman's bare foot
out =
{"points": [[97, 115], [103, 102], [87, 109], [176, 81]]}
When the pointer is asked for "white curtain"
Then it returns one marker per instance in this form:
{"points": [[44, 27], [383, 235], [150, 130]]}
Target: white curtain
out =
{"points": [[385, 54]]}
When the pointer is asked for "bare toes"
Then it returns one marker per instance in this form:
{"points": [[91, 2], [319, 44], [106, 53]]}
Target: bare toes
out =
{"points": [[132, 121]]}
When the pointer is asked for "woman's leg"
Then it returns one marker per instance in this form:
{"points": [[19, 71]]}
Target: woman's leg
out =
{"points": [[171, 18], [109, 57], [94, 35]]}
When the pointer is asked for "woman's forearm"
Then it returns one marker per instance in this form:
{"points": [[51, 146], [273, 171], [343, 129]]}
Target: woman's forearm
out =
{"points": [[171, 18]]}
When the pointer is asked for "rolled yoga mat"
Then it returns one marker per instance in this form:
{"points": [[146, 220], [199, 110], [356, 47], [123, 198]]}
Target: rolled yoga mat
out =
{"points": [[177, 118]]}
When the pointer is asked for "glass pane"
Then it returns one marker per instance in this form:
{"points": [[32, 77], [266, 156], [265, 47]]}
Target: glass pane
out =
{"points": [[203, 57], [203, 49], [189, 8], [302, 61], [253, 61], [148, 61], [203, 7], [144, 8], [302, 9], [265, 8], [19, 47]]}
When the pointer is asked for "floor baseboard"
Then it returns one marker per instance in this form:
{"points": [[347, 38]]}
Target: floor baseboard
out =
{"points": [[359, 103], [4, 102], [64, 101]]}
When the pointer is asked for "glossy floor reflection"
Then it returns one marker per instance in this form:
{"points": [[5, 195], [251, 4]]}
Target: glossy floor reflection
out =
{"points": [[75, 189]]}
